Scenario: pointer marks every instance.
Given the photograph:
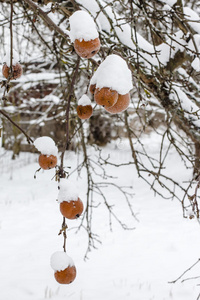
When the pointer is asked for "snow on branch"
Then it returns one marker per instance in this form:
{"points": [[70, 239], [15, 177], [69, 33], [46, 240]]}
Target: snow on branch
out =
{"points": [[51, 24], [150, 55]]}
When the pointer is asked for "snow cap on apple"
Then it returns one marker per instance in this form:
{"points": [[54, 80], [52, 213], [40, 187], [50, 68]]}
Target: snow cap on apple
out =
{"points": [[84, 100], [67, 191], [82, 26], [60, 261], [46, 145], [113, 73]]}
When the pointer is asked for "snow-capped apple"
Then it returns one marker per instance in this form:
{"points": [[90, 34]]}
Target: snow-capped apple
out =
{"points": [[84, 111], [47, 162], [63, 266], [71, 209], [84, 108], [121, 104], [16, 71], [84, 34], [112, 74], [105, 96], [49, 152]]}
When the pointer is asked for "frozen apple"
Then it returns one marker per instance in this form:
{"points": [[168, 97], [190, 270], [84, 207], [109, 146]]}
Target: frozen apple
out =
{"points": [[84, 34], [105, 96], [47, 162], [49, 152], [92, 88], [121, 104], [71, 209], [63, 266], [84, 108], [87, 49], [16, 71], [84, 112], [114, 74]]}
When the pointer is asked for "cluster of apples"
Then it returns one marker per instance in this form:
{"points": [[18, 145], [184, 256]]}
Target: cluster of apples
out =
{"points": [[110, 86], [71, 207], [112, 81], [16, 71], [110, 99]]}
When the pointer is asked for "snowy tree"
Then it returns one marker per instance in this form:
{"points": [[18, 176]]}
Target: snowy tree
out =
{"points": [[159, 43]]}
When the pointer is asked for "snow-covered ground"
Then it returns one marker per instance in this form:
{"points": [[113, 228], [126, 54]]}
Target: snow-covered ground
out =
{"points": [[129, 265]]}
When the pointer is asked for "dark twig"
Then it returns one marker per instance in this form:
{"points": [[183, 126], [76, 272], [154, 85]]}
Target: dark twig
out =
{"points": [[46, 18], [174, 281], [29, 139]]}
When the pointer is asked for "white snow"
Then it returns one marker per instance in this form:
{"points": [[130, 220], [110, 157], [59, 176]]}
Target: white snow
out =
{"points": [[129, 264], [84, 100], [133, 40], [60, 261], [193, 18], [113, 73], [169, 2], [68, 191], [82, 26], [196, 64], [194, 42], [51, 98], [15, 58], [46, 145]]}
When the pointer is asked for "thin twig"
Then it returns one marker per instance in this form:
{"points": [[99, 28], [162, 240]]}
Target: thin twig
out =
{"points": [[174, 281], [29, 139], [46, 18]]}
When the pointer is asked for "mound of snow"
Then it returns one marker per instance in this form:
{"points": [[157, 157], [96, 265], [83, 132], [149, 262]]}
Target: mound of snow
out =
{"points": [[82, 27], [67, 191], [46, 145], [113, 73], [84, 100], [60, 261]]}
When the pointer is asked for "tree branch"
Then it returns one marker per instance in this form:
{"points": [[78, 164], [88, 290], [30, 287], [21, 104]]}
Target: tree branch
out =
{"points": [[29, 139], [46, 18]]}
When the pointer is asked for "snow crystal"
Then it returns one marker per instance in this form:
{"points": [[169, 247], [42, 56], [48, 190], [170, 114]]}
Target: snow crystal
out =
{"points": [[82, 26], [194, 42], [60, 261], [84, 100], [196, 64], [46, 145], [113, 73], [192, 16], [68, 191]]}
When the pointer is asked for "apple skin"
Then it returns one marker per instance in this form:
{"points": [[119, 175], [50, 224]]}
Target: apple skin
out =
{"points": [[66, 276], [71, 209], [47, 162], [87, 49], [84, 111], [17, 71], [105, 96], [121, 104]]}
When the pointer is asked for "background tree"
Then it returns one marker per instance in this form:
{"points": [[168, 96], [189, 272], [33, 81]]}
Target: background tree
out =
{"points": [[159, 41]]}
